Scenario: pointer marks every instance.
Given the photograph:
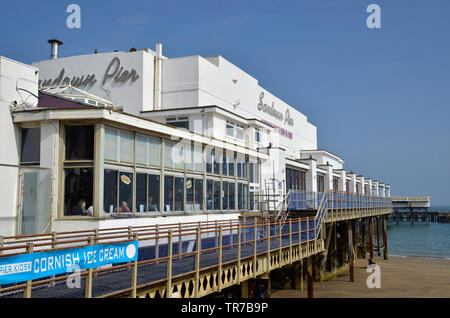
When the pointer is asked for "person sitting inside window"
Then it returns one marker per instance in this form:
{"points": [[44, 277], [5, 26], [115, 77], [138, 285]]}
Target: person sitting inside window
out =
{"points": [[124, 207], [80, 208]]}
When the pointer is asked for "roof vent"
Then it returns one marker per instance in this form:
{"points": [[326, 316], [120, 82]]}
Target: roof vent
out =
{"points": [[55, 43]]}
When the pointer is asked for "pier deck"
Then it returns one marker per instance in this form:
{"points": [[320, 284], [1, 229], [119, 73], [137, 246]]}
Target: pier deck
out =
{"points": [[201, 258]]}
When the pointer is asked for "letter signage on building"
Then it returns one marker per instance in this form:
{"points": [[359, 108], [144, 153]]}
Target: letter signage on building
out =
{"points": [[30, 266], [272, 111], [114, 72]]}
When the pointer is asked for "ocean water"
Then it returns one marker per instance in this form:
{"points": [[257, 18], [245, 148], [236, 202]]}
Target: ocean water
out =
{"points": [[422, 240]]}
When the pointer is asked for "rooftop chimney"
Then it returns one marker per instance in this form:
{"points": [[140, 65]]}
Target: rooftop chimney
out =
{"points": [[55, 43]]}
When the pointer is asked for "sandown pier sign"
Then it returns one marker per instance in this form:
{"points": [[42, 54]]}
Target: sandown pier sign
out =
{"points": [[272, 111], [114, 72]]}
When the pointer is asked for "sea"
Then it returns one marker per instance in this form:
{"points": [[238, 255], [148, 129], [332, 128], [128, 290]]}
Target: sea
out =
{"points": [[430, 240]]}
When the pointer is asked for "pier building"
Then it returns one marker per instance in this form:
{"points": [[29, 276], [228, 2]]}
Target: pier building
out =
{"points": [[220, 181]]}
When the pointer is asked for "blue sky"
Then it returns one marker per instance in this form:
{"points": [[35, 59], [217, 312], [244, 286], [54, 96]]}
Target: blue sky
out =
{"points": [[379, 97]]}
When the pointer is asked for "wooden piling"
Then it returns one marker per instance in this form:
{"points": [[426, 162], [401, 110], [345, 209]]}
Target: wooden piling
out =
{"points": [[385, 249], [371, 258], [309, 271]]}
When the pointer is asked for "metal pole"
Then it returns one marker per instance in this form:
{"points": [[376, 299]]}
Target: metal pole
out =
{"points": [[239, 254], [134, 273], [88, 285], [27, 289], [197, 264], [169, 267], [219, 272], [254, 248]]}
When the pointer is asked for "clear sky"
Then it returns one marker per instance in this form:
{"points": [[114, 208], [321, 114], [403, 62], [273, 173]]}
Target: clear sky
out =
{"points": [[380, 98]]}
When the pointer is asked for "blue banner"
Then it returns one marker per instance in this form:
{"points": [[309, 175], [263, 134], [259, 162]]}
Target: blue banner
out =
{"points": [[30, 266]]}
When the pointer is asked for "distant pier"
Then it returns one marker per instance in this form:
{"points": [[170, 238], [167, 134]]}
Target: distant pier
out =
{"points": [[415, 210]]}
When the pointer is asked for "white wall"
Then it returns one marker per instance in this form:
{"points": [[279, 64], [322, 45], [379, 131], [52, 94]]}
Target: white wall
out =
{"points": [[216, 81], [134, 96], [13, 77]]}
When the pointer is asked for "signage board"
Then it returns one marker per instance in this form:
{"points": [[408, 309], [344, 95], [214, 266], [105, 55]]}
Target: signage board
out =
{"points": [[30, 266]]}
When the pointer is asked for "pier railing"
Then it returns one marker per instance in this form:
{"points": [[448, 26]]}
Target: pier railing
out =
{"points": [[174, 261], [302, 200]]}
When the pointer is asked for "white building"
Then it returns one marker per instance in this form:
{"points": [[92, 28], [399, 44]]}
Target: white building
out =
{"points": [[146, 139]]}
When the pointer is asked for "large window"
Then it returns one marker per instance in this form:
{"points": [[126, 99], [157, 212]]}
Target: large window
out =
{"points": [[173, 155], [234, 130], [173, 193], [320, 183], [79, 142], [180, 122], [213, 195], [31, 146], [111, 144], [141, 192], [254, 171], [78, 190], [110, 191], [194, 194], [153, 193], [126, 146], [257, 134], [78, 171]]}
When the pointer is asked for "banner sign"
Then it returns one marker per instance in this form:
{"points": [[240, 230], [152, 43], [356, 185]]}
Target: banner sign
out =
{"points": [[30, 266]]}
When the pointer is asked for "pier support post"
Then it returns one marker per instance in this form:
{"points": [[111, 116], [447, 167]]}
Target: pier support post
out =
{"points": [[371, 258], [309, 270], [334, 264], [350, 250], [378, 235], [363, 238], [244, 289], [385, 244], [298, 275]]}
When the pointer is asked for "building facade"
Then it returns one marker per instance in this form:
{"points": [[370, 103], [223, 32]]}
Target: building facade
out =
{"points": [[136, 138]]}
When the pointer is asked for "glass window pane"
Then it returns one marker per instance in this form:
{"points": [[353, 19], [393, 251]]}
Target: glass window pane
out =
{"points": [[125, 192], [141, 149], [224, 164], [178, 155], [239, 198], [79, 142], [230, 129], [179, 193], [198, 195], [198, 157], [110, 144], [231, 165], [110, 191], [168, 162], [239, 167], [225, 195], [168, 193], [31, 145], [153, 193], [216, 160], [231, 194], [141, 192], [126, 146], [189, 194], [209, 194], [78, 190], [209, 159], [239, 132], [245, 196], [216, 195], [154, 151]]}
